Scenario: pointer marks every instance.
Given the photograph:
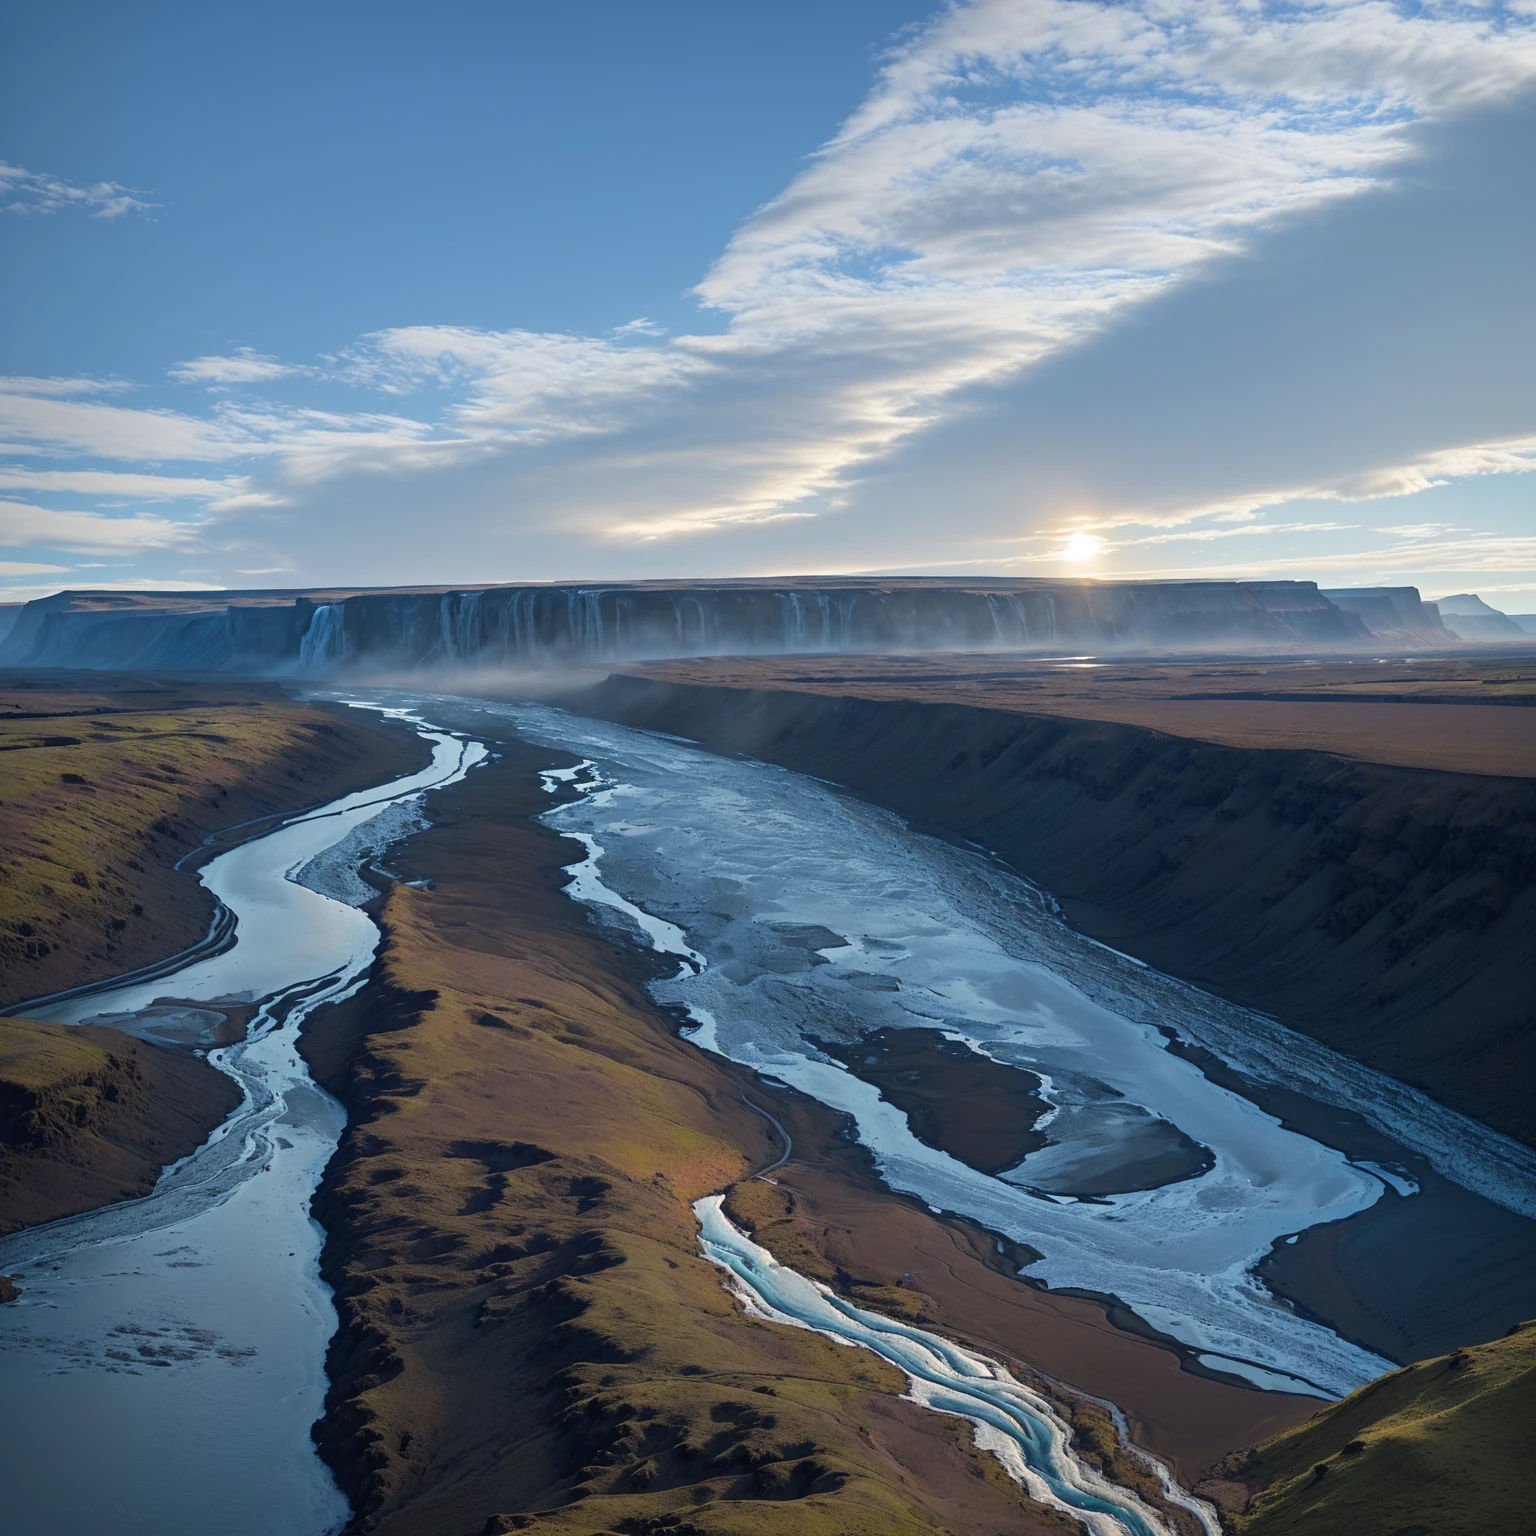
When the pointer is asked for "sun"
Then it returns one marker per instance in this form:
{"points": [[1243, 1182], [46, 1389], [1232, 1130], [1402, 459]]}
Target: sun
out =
{"points": [[1081, 547]]}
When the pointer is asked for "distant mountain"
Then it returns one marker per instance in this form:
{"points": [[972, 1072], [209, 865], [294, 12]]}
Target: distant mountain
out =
{"points": [[1392, 613], [1469, 618]]}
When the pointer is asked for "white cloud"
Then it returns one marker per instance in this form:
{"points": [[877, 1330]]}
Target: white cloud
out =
{"points": [[1382, 482], [48, 416], [244, 366], [1025, 175], [27, 192], [1021, 175], [113, 483], [22, 568], [55, 417], [22, 525]]}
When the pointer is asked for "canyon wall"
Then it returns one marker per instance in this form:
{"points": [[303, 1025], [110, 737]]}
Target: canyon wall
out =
{"points": [[316, 633], [1389, 912]]}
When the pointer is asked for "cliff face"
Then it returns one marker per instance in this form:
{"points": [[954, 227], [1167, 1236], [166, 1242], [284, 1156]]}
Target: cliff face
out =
{"points": [[577, 625], [1389, 912]]}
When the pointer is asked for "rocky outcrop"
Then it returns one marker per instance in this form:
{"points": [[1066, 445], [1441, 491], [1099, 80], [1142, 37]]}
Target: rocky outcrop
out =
{"points": [[1469, 617], [1392, 612]]}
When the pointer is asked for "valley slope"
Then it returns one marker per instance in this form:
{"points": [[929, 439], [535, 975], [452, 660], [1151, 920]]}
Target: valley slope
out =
{"points": [[1190, 817]]}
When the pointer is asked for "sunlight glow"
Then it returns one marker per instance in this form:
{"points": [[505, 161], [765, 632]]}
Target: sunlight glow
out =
{"points": [[1081, 548]]}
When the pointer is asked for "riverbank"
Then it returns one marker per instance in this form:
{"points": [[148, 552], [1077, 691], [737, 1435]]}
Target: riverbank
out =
{"points": [[88, 1117], [511, 1244], [109, 781], [1385, 910]]}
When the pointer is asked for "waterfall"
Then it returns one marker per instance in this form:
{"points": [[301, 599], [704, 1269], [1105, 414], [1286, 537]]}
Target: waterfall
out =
{"points": [[324, 643]]}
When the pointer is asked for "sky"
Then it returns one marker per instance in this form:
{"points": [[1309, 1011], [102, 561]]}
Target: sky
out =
{"points": [[387, 293]]}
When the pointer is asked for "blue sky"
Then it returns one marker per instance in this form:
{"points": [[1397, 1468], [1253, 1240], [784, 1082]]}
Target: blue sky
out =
{"points": [[396, 293]]}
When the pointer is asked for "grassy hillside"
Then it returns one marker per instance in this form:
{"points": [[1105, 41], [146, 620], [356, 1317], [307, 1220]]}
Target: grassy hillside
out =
{"points": [[88, 1116], [106, 783], [1443, 1448]]}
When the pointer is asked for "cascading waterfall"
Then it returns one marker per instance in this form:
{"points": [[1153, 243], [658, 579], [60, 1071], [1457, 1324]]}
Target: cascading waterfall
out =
{"points": [[324, 642], [596, 625]]}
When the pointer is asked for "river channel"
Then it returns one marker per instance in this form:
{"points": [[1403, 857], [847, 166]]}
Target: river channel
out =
{"points": [[166, 1358], [174, 1345], [806, 921]]}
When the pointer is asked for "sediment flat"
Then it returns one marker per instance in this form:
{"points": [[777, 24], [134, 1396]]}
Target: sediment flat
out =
{"points": [[511, 1244]]}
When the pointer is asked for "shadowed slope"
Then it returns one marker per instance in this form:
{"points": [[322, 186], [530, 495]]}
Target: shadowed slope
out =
{"points": [[1386, 911]]}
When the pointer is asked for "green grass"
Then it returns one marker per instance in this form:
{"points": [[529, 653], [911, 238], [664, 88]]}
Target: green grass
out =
{"points": [[1443, 1448], [37, 1057]]}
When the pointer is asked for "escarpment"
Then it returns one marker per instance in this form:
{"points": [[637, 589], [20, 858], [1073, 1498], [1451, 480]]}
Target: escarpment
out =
{"points": [[1387, 911]]}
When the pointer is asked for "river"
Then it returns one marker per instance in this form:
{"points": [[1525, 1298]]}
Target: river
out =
{"points": [[166, 1358], [800, 913], [175, 1345]]}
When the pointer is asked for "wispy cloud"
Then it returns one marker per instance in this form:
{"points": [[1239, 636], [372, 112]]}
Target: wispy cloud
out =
{"points": [[23, 568], [23, 525], [1023, 176], [54, 415], [29, 192], [115, 484], [243, 366]]}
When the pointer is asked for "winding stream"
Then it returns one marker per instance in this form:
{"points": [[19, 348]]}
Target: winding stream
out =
{"points": [[1017, 1425], [165, 1361], [174, 1345]]}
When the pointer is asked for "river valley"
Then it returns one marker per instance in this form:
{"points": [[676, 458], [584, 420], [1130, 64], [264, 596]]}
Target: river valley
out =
{"points": [[800, 913], [808, 928], [164, 1364]]}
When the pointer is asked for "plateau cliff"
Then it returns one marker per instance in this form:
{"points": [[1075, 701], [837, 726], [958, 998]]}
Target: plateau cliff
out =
{"points": [[321, 632]]}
